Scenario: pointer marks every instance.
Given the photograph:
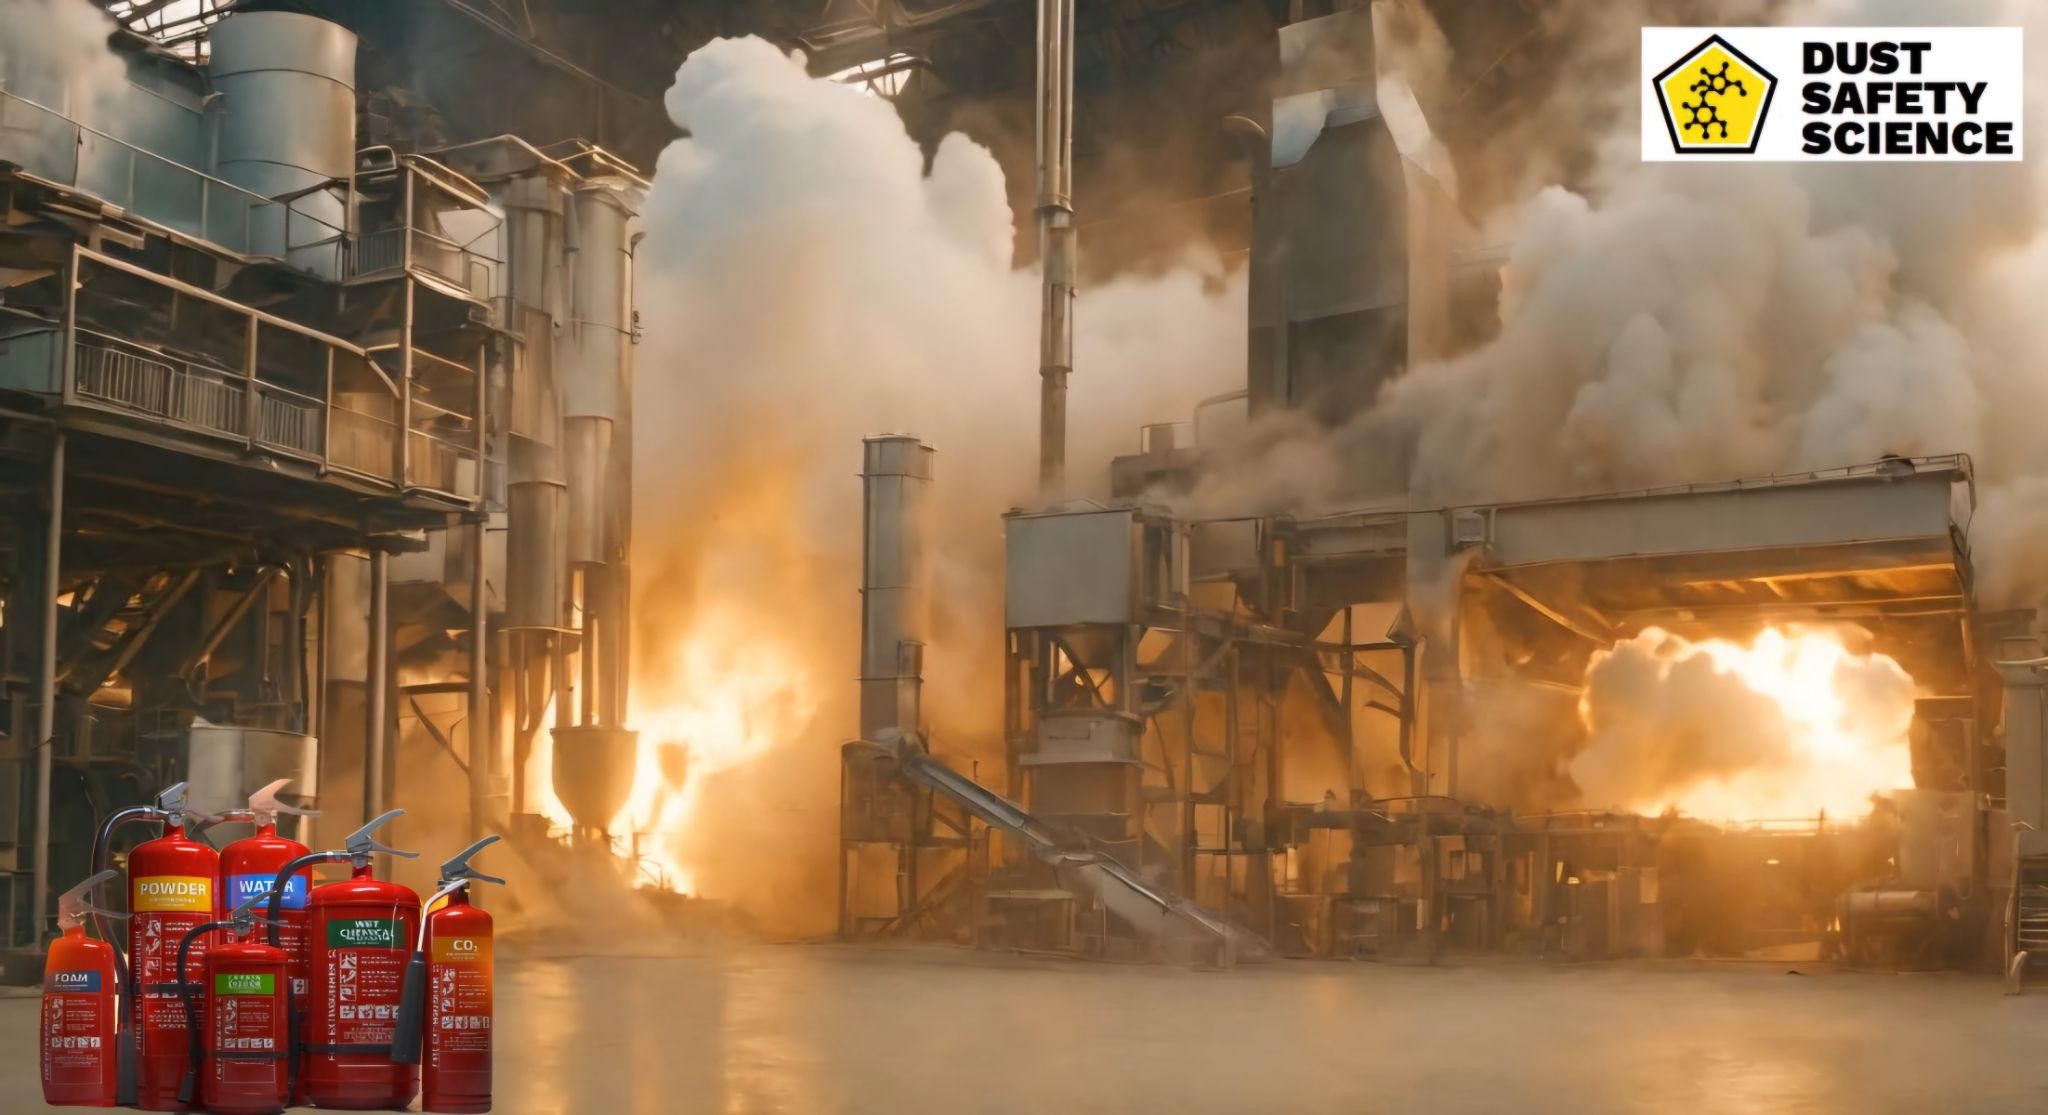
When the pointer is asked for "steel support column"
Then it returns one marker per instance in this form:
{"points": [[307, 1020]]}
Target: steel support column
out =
{"points": [[46, 683], [377, 685], [481, 722]]}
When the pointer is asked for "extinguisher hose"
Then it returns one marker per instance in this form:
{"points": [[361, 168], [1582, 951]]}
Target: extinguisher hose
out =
{"points": [[126, 1054], [195, 1051], [293, 1019], [412, 1004], [102, 847]]}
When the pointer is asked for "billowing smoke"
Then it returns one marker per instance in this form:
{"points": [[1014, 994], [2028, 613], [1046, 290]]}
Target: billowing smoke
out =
{"points": [[809, 276], [1795, 722], [1663, 324]]}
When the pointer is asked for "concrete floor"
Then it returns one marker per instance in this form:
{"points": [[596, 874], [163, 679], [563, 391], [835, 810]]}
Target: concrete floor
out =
{"points": [[827, 1028]]}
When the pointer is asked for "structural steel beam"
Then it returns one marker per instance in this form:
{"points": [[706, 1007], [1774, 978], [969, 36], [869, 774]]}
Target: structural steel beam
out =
{"points": [[376, 727], [1768, 517], [46, 684]]}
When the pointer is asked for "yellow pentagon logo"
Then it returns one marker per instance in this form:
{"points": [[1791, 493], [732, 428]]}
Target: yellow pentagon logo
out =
{"points": [[1714, 99]]}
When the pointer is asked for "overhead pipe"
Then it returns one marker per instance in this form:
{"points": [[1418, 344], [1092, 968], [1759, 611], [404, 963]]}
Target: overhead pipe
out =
{"points": [[1056, 237]]}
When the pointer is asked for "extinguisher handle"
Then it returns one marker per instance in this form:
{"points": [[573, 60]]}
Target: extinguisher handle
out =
{"points": [[412, 1010]]}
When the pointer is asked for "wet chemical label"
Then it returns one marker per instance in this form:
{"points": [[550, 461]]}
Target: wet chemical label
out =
{"points": [[362, 977], [459, 996]]}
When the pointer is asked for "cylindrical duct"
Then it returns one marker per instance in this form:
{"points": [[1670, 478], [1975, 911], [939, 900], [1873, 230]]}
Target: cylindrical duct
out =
{"points": [[1055, 236], [896, 469], [534, 572], [601, 285], [288, 122], [586, 456]]}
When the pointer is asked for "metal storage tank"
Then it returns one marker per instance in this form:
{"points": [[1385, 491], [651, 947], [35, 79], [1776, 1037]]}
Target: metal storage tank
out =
{"points": [[288, 123]]}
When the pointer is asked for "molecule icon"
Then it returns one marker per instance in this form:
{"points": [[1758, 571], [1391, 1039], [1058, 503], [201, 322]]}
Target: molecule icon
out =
{"points": [[1704, 113]]}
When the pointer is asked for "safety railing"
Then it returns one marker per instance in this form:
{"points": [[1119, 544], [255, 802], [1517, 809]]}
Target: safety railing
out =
{"points": [[406, 418], [290, 421], [384, 251], [187, 395], [441, 463], [360, 440], [376, 252], [53, 147], [458, 263]]}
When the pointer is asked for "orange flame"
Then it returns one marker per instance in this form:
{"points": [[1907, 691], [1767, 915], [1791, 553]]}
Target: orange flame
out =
{"points": [[727, 693], [1839, 719]]}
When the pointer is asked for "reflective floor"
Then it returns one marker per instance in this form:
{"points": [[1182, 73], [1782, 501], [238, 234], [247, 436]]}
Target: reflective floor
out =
{"points": [[827, 1028]]}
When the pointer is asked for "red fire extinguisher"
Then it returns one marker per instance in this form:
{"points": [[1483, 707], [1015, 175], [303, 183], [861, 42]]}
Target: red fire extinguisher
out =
{"points": [[249, 868], [168, 804], [240, 1065], [170, 892], [357, 933], [444, 1020], [78, 1006]]}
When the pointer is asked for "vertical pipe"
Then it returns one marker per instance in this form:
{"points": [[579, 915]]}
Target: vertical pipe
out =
{"points": [[1344, 698], [316, 688], [405, 323], [592, 630], [481, 722], [895, 470], [1055, 236], [46, 683], [292, 652], [376, 727]]}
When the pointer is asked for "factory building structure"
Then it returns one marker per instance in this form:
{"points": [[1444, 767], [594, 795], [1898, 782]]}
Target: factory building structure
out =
{"points": [[1252, 735], [316, 455]]}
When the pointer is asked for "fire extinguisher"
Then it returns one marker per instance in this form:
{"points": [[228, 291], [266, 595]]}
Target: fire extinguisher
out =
{"points": [[170, 892], [241, 1061], [169, 803], [357, 932], [249, 867], [79, 1025], [446, 1006]]}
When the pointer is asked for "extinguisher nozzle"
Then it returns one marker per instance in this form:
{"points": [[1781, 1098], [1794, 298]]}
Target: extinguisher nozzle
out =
{"points": [[412, 1003]]}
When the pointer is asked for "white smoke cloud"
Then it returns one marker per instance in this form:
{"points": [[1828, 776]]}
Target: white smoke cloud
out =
{"points": [[1664, 324], [807, 279]]}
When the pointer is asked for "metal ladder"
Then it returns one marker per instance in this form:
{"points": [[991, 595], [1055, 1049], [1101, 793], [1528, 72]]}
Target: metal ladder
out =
{"points": [[2028, 939]]}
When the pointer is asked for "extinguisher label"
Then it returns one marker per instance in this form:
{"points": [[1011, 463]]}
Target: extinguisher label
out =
{"points": [[73, 1030], [364, 933], [153, 957], [174, 894], [461, 950], [362, 975], [459, 996], [245, 1020], [244, 983], [84, 983], [242, 888]]}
